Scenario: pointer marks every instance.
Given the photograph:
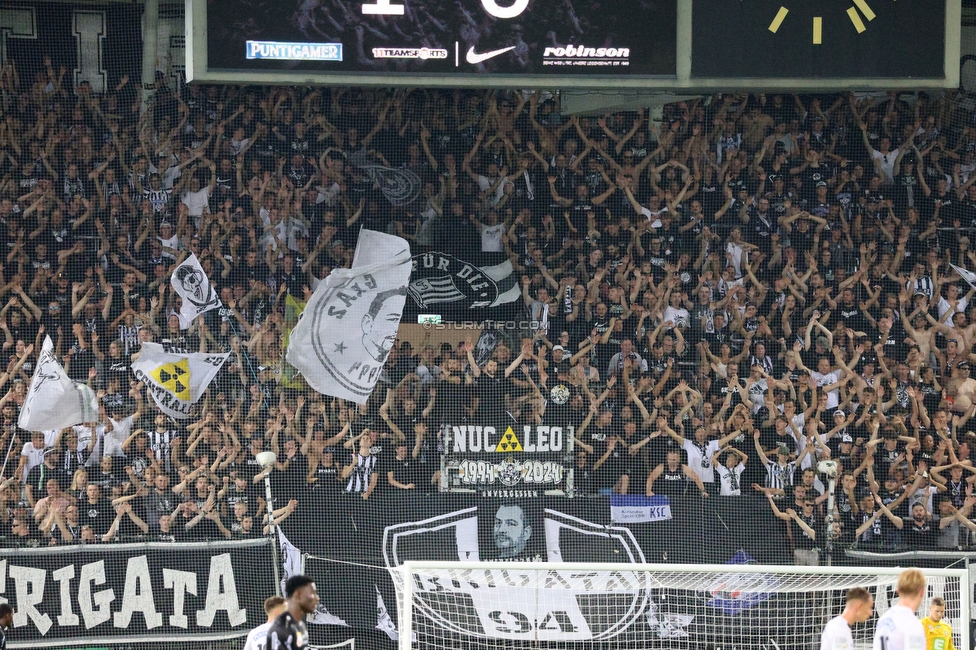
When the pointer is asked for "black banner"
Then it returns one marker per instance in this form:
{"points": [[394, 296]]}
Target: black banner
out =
{"points": [[484, 457], [115, 594], [351, 563], [509, 37], [797, 40], [94, 43]]}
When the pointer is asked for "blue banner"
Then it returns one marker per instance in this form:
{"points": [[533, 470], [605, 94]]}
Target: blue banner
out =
{"points": [[734, 593]]}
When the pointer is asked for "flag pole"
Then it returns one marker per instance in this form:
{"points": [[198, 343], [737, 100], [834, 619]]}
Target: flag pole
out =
{"points": [[6, 458], [243, 350]]}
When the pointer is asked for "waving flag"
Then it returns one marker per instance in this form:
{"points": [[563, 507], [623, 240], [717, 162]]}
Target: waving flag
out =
{"points": [[442, 280], [175, 379], [968, 276], [194, 287], [290, 377], [350, 323], [54, 401]]}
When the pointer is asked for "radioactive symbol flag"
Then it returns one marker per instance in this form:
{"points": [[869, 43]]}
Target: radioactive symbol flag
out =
{"points": [[174, 377], [509, 442]]}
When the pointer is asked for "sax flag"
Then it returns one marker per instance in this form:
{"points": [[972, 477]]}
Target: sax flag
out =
{"points": [[53, 401], [176, 379], [350, 323], [193, 286]]}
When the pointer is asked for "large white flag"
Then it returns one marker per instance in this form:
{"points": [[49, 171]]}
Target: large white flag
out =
{"points": [[195, 289], [350, 323], [54, 401], [176, 379]]}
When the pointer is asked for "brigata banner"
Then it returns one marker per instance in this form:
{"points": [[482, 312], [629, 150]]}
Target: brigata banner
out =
{"points": [[486, 457], [115, 594]]}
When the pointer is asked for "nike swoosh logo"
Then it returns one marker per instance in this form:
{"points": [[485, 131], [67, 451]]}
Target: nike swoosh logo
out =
{"points": [[473, 58]]}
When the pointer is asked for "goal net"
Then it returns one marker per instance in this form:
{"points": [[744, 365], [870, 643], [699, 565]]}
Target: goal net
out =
{"points": [[726, 607]]}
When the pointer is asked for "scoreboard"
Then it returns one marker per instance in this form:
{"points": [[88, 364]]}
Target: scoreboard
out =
{"points": [[828, 39], [612, 44]]}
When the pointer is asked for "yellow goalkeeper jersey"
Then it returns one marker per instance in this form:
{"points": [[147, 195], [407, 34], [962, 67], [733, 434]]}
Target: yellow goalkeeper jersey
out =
{"points": [[938, 635]]}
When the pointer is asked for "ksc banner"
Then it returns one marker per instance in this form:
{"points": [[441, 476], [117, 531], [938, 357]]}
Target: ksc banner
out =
{"points": [[124, 594], [486, 458], [637, 508]]}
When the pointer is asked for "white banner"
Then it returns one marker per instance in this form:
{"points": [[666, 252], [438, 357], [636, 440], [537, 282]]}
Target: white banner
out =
{"points": [[194, 287], [968, 276], [175, 379], [54, 401], [350, 323], [637, 508]]}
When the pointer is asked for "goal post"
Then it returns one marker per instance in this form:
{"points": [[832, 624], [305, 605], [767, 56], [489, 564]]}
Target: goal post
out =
{"points": [[489, 605]]}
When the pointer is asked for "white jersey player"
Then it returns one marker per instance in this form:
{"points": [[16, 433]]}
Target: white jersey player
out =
{"points": [[899, 629], [837, 633], [257, 639]]}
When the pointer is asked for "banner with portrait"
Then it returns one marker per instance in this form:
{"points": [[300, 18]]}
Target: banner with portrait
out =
{"points": [[511, 527]]}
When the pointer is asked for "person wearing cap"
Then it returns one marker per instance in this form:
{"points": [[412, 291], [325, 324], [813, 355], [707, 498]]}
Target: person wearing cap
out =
{"points": [[781, 195], [560, 365], [960, 389], [839, 427], [845, 455], [821, 204]]}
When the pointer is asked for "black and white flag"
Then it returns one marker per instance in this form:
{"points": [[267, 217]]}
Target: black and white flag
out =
{"points": [[193, 286], [350, 323], [401, 187], [54, 401], [442, 280]]}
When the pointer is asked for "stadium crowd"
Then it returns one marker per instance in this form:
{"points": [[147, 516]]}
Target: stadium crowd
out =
{"points": [[749, 286]]}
